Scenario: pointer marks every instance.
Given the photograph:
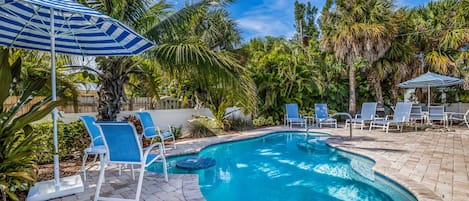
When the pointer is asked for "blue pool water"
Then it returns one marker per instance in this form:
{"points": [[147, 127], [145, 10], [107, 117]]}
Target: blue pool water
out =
{"points": [[288, 166]]}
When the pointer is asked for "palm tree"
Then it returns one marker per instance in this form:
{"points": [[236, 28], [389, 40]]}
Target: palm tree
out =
{"points": [[175, 52], [359, 32], [397, 63], [441, 31], [284, 71]]}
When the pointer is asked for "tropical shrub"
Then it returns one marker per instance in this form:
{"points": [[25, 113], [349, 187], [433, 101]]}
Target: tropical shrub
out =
{"points": [[199, 128], [239, 124], [262, 121], [73, 139], [18, 142], [177, 131]]}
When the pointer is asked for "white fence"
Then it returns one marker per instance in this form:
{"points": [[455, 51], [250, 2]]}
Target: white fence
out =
{"points": [[161, 118]]}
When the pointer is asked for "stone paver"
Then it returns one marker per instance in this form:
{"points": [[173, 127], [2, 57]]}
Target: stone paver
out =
{"points": [[432, 165]]}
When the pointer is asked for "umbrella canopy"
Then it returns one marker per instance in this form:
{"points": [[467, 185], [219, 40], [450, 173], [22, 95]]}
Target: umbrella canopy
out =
{"points": [[67, 27], [430, 79], [78, 30]]}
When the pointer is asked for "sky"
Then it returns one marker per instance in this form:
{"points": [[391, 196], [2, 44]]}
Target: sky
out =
{"points": [[259, 18]]}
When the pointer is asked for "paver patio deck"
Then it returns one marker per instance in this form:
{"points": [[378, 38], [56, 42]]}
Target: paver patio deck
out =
{"points": [[433, 165]]}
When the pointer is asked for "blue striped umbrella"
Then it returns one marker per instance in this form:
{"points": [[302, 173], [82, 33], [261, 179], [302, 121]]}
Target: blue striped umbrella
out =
{"points": [[67, 27], [78, 30]]}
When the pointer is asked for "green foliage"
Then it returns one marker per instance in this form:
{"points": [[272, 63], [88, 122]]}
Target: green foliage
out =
{"points": [[177, 131], [305, 17], [285, 72], [240, 124], [18, 142], [199, 128], [263, 122], [353, 35], [73, 139]]}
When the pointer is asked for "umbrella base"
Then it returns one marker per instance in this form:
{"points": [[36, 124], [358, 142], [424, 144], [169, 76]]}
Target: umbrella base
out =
{"points": [[47, 190]]}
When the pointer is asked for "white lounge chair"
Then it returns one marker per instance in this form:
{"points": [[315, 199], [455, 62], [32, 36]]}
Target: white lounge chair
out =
{"points": [[96, 146], [462, 117], [322, 115], [367, 114], [123, 147], [292, 116], [400, 118], [416, 114], [436, 113]]}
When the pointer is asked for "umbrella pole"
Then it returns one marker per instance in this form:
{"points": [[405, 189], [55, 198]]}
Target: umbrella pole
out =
{"points": [[428, 97], [54, 98]]}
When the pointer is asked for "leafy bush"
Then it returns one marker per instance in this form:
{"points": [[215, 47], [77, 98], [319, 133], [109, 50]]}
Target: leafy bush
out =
{"points": [[73, 139], [177, 131], [239, 124], [262, 122], [18, 142], [197, 128]]}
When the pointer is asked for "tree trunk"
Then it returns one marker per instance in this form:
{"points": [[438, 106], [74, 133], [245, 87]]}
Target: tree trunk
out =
{"points": [[378, 90], [112, 82], [352, 98]]}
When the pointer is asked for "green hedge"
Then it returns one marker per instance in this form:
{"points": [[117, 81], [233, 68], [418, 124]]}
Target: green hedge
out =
{"points": [[73, 139]]}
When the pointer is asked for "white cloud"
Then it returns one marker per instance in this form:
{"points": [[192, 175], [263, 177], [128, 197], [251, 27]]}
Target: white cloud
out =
{"points": [[264, 26]]}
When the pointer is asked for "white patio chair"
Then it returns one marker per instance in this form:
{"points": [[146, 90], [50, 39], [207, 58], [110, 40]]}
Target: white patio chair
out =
{"points": [[436, 113], [292, 116], [96, 146], [400, 118], [367, 114], [123, 147], [416, 114], [151, 131], [461, 117], [322, 115]]}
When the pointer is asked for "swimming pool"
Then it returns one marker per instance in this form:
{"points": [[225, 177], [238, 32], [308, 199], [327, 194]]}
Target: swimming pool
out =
{"points": [[288, 166]]}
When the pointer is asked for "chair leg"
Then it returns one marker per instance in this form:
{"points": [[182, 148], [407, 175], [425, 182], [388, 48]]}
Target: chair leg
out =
{"points": [[174, 142], [120, 169], [95, 158], [100, 182], [83, 165], [101, 164], [133, 171], [165, 170], [162, 145], [140, 182]]}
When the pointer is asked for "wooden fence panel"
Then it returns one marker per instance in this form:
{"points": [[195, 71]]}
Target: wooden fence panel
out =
{"points": [[88, 104]]}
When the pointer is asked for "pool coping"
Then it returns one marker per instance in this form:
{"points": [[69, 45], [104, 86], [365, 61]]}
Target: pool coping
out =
{"points": [[191, 189]]}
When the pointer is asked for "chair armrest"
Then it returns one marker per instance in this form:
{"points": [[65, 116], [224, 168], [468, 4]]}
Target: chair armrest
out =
{"points": [[149, 128], [458, 116], [357, 115], [387, 116], [151, 147], [96, 138]]}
